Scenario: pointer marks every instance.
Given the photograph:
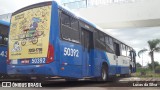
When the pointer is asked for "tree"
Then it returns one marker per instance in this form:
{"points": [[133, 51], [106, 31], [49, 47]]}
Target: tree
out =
{"points": [[155, 65], [141, 52], [153, 47], [138, 65]]}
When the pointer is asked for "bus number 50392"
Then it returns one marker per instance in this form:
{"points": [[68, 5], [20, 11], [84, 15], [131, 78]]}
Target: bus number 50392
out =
{"points": [[71, 52], [38, 60]]}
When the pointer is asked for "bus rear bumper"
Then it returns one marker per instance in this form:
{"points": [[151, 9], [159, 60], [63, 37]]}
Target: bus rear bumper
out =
{"points": [[32, 70]]}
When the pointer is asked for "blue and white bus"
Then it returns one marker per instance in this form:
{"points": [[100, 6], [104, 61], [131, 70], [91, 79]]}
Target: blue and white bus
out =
{"points": [[4, 29], [48, 40]]}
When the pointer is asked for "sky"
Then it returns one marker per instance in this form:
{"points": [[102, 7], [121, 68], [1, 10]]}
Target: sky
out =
{"points": [[135, 37]]}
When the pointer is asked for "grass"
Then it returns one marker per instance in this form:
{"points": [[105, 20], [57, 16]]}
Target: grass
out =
{"points": [[148, 73]]}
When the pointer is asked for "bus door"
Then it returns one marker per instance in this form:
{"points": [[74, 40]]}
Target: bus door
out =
{"points": [[87, 43], [117, 53]]}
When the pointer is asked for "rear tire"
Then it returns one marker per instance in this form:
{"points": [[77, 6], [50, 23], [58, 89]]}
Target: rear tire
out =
{"points": [[104, 74]]}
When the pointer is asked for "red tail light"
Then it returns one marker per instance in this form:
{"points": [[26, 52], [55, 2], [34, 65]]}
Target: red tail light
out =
{"points": [[50, 56]]}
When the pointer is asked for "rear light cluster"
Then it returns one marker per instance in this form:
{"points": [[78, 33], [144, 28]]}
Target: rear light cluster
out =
{"points": [[50, 56]]}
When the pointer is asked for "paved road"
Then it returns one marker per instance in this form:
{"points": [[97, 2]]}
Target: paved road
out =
{"points": [[61, 84], [84, 88]]}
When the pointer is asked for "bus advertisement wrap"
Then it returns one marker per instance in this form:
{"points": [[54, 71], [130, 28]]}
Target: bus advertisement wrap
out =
{"points": [[29, 33]]}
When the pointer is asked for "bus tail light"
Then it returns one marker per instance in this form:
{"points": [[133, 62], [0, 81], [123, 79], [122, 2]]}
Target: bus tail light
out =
{"points": [[50, 56]]}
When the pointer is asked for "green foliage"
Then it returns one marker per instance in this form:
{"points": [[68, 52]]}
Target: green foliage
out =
{"points": [[138, 65], [155, 65], [154, 46], [142, 51], [143, 69], [157, 69], [145, 73]]}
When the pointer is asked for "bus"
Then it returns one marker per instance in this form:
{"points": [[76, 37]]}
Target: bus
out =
{"points": [[47, 40], [4, 28]]}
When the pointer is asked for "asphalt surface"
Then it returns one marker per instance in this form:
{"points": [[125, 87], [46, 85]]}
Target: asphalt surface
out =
{"points": [[127, 83]]}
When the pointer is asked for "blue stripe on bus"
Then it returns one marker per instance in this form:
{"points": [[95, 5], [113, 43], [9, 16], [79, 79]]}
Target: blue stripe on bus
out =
{"points": [[3, 50]]}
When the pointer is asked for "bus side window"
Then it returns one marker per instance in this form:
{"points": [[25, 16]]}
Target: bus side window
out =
{"points": [[100, 42], [123, 50], [69, 28], [117, 48], [106, 40], [74, 23], [65, 20], [101, 37], [110, 41]]}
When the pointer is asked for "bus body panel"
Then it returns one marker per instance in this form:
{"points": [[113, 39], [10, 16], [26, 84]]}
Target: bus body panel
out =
{"points": [[3, 48], [123, 65], [34, 70], [99, 58], [114, 66], [3, 58], [119, 66], [70, 59]]}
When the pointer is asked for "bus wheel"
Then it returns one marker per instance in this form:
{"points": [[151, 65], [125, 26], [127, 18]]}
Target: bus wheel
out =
{"points": [[34, 40], [104, 74]]}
